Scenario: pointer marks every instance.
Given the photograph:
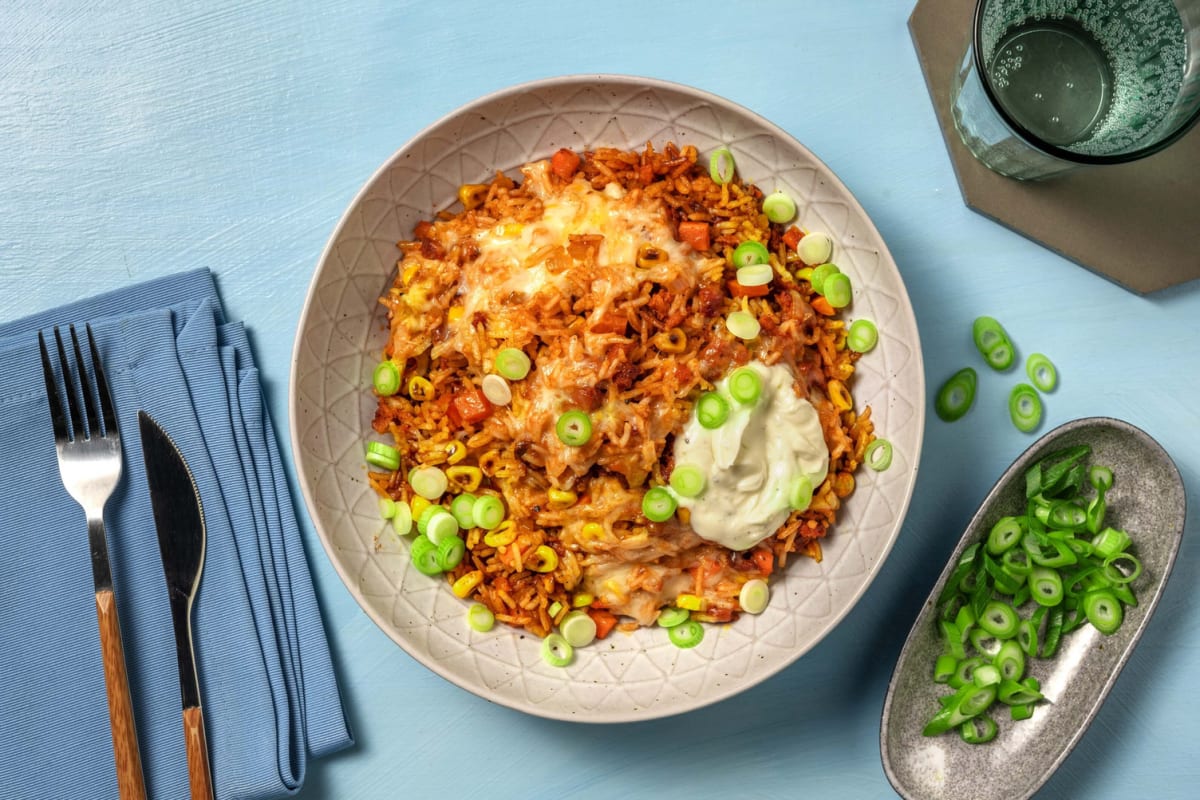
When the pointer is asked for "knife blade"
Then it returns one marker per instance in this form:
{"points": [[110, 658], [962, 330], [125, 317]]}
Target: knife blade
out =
{"points": [[179, 521]]}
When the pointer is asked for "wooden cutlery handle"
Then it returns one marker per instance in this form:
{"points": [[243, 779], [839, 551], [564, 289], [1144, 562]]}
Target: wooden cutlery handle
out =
{"points": [[130, 783], [199, 776]]}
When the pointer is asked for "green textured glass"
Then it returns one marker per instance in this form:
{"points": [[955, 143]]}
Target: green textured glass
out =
{"points": [[1050, 85]]}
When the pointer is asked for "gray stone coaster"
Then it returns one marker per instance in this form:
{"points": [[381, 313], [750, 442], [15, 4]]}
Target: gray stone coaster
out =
{"points": [[1137, 224]]}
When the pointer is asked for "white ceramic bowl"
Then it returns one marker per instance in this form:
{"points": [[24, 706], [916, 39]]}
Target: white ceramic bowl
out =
{"points": [[340, 339]]}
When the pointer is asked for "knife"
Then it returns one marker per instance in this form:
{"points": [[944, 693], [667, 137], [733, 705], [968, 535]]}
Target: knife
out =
{"points": [[179, 519]]}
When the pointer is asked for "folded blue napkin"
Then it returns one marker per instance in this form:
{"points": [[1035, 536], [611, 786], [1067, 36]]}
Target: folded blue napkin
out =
{"points": [[267, 681]]}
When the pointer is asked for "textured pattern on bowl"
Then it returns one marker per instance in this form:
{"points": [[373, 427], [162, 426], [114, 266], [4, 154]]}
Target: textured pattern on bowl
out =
{"points": [[1147, 499], [341, 335]]}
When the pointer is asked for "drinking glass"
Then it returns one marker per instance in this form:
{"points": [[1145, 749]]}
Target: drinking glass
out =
{"points": [[1050, 85]]}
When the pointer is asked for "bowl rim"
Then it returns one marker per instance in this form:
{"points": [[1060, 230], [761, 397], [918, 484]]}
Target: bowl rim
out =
{"points": [[593, 80]]}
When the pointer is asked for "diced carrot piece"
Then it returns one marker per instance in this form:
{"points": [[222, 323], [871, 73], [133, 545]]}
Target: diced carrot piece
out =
{"points": [[737, 290], [564, 163], [792, 237], [821, 306], [764, 559], [469, 407], [605, 621], [610, 323], [695, 234]]}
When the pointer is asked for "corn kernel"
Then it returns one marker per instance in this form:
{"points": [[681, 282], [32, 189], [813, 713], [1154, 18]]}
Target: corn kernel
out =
{"points": [[510, 229], [420, 388], [467, 583], [409, 272], [502, 535], [672, 341], [418, 505], [561, 498], [690, 602], [650, 256], [545, 559], [592, 532], [839, 395], [465, 479], [455, 314], [472, 195], [581, 600], [455, 451]]}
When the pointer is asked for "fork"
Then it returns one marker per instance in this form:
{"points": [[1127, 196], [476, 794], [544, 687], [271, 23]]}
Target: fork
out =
{"points": [[89, 460]]}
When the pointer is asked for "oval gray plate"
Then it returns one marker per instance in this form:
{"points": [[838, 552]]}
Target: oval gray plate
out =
{"points": [[1147, 499]]}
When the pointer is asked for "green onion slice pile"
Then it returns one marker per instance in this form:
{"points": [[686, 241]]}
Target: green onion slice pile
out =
{"points": [[992, 342], [1032, 580]]}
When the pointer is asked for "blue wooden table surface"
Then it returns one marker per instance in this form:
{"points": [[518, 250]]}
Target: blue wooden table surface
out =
{"points": [[144, 137]]}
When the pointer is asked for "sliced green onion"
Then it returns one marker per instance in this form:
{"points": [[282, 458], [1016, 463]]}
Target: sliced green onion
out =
{"points": [[745, 385], [819, 275], [969, 701], [687, 480], [556, 651], [1041, 372], [837, 290], [429, 482], [383, 456], [1004, 534], [992, 342], [986, 675], [1011, 659], [721, 166], [426, 515], [945, 666], [1066, 516], [754, 596], [402, 521], [386, 378], [686, 634], [1001, 357], [462, 508], [1094, 518], [450, 552], [424, 555], [1016, 561], [1054, 628], [1027, 637], [658, 505], [779, 206], [957, 394], [862, 336], [1046, 586], [554, 608], [964, 674], [671, 616], [480, 618], [512, 363], [487, 512], [387, 508], [578, 628], [1012, 692], [878, 455], [442, 526], [712, 410], [574, 428], [801, 493], [749, 253], [1110, 541], [743, 325], [755, 275], [978, 730], [815, 248], [1113, 571], [1024, 407], [496, 390], [1100, 477], [1020, 711]]}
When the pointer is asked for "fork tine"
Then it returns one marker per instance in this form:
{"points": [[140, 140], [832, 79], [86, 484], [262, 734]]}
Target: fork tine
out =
{"points": [[56, 408], [72, 404], [85, 385], [106, 403]]}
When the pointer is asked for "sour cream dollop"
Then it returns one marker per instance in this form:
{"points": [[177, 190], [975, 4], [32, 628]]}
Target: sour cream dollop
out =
{"points": [[752, 460]]}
